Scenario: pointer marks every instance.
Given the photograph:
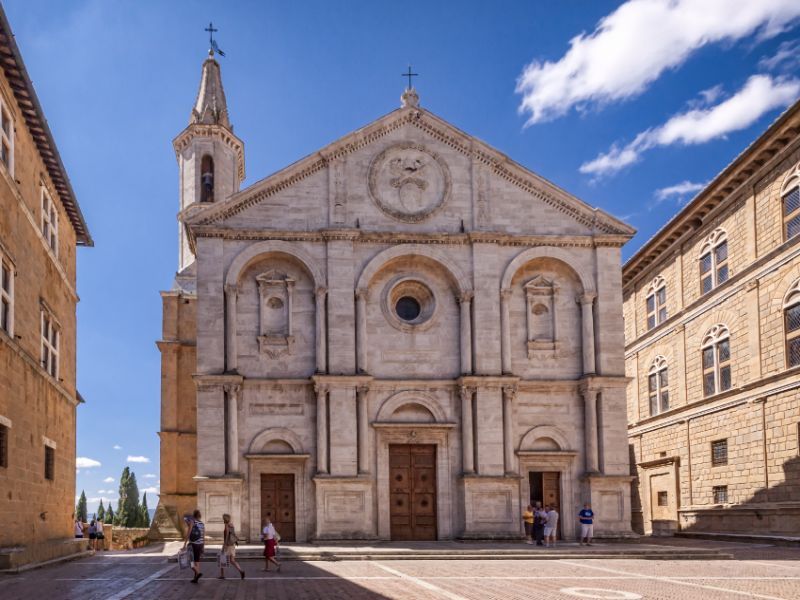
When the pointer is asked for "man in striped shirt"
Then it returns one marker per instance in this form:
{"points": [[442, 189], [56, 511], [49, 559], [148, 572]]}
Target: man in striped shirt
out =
{"points": [[195, 536]]}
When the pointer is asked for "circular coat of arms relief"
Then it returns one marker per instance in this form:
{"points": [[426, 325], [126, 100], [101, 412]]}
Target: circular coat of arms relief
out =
{"points": [[409, 182]]}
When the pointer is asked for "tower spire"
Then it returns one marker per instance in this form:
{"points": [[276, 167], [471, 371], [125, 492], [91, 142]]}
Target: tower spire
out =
{"points": [[210, 108]]}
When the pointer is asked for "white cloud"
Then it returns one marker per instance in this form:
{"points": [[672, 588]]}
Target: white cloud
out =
{"points": [[117, 447], [760, 94], [150, 490], [786, 58], [149, 476], [97, 499], [108, 480], [86, 463], [631, 47], [138, 459], [679, 190]]}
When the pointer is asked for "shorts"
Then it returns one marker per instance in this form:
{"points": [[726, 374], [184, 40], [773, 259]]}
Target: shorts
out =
{"points": [[548, 531], [587, 530], [528, 528], [269, 549], [92, 536], [197, 552]]}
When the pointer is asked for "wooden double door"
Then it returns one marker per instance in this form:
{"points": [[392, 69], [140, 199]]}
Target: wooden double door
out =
{"points": [[545, 488], [412, 489], [277, 503]]}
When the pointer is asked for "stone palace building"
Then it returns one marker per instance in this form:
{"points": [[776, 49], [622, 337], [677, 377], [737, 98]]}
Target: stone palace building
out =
{"points": [[40, 226], [712, 331], [405, 335]]}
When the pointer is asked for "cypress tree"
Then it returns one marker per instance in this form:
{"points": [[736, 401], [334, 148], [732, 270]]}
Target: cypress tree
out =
{"points": [[80, 508], [101, 512], [145, 519], [109, 515], [128, 509]]}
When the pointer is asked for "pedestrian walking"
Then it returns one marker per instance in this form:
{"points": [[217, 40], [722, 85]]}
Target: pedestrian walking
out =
{"points": [[270, 538], [93, 535], [228, 552], [195, 537], [551, 527], [101, 536], [78, 529], [539, 517], [586, 517], [527, 521]]}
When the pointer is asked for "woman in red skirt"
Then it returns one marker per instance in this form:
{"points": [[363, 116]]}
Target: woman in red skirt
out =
{"points": [[270, 538]]}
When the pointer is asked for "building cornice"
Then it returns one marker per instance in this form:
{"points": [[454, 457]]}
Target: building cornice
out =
{"points": [[218, 132], [743, 172]]}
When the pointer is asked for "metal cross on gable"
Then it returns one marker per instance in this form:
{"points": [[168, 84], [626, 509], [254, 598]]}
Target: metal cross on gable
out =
{"points": [[409, 74], [212, 44]]}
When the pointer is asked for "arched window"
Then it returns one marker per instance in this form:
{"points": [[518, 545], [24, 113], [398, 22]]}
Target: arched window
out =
{"points": [[790, 196], [791, 324], [714, 260], [656, 302], [207, 179], [716, 349], [658, 386]]}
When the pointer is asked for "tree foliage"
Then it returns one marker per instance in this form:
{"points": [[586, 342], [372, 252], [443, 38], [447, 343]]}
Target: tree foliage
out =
{"points": [[145, 516], [129, 511], [109, 515], [101, 512], [80, 508]]}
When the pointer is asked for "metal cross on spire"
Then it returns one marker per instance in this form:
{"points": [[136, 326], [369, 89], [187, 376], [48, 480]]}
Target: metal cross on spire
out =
{"points": [[212, 43], [409, 74]]}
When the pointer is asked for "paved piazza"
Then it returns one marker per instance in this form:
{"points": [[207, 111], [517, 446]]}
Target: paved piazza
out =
{"points": [[757, 571]]}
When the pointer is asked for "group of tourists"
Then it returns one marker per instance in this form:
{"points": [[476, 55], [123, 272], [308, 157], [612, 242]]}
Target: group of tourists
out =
{"points": [[94, 532], [195, 542], [541, 524]]}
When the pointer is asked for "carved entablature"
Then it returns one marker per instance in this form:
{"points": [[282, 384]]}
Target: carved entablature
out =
{"points": [[275, 291], [540, 299]]}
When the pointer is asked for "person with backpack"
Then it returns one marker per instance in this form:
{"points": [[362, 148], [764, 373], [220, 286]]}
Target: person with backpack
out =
{"points": [[195, 536], [228, 552]]}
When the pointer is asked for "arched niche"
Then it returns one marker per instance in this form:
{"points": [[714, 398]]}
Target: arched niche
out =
{"points": [[270, 441], [263, 249], [403, 405], [559, 254], [544, 438]]}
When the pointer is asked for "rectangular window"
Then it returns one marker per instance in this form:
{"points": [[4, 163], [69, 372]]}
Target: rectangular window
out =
{"points": [[791, 213], [6, 139], [720, 494], [792, 324], [663, 498], [6, 296], [719, 453], [49, 463], [657, 307], [3, 446], [721, 260], [50, 340], [49, 221]]}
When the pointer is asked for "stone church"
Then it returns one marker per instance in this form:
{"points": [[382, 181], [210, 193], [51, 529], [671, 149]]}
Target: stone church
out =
{"points": [[403, 336]]}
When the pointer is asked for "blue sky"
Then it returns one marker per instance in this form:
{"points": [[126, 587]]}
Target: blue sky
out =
{"points": [[630, 107]]}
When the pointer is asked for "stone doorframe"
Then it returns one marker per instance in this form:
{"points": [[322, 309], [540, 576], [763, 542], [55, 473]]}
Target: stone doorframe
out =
{"points": [[277, 464], [416, 433], [668, 466], [562, 461]]}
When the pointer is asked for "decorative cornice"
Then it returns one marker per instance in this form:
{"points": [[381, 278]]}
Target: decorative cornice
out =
{"points": [[218, 132], [445, 133]]}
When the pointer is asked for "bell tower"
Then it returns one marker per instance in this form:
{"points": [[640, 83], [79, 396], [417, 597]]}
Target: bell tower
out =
{"points": [[210, 157]]}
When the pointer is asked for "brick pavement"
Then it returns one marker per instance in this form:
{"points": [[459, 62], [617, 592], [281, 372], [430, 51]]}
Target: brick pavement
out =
{"points": [[757, 572]]}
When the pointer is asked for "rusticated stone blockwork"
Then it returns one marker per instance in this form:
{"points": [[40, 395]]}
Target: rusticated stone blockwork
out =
{"points": [[714, 443], [401, 336]]}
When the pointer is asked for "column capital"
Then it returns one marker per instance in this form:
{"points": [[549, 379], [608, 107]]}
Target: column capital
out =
{"points": [[590, 393], [510, 392], [362, 390], [505, 293], [321, 388], [466, 392], [586, 298], [320, 291], [466, 296], [231, 289], [362, 293], [232, 388]]}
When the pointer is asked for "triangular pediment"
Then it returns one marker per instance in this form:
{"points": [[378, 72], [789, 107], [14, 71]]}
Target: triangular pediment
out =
{"points": [[489, 160]]}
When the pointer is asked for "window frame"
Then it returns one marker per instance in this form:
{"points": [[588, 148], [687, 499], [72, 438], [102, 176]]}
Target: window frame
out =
{"points": [[49, 462], [654, 291], [7, 270], [791, 300], [5, 433], [717, 492], [7, 136], [790, 186], [714, 340], [721, 461], [50, 338], [658, 371], [716, 240], [50, 219], [665, 497]]}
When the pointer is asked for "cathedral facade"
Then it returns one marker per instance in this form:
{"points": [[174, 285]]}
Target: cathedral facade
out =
{"points": [[403, 336]]}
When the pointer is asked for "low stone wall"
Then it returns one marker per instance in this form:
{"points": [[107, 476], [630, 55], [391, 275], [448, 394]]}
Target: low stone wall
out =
{"points": [[765, 519], [126, 538], [20, 557]]}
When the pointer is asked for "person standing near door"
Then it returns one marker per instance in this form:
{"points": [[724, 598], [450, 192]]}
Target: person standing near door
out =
{"points": [[539, 518], [586, 517], [527, 521], [550, 527]]}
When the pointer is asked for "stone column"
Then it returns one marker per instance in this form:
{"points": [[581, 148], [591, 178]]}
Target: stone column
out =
{"points": [[466, 332], [361, 330], [505, 329], [509, 393], [321, 330], [467, 430], [590, 429], [232, 428], [231, 294], [587, 300], [322, 428], [363, 429]]}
